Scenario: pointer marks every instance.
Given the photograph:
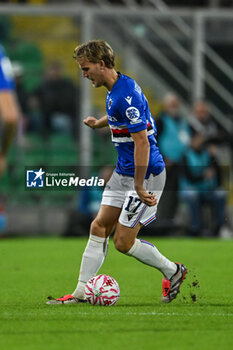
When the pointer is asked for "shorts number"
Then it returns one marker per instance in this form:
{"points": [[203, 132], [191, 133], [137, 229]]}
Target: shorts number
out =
{"points": [[131, 204]]}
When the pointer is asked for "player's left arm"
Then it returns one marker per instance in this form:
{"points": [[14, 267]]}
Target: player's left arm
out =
{"points": [[141, 159], [94, 123]]}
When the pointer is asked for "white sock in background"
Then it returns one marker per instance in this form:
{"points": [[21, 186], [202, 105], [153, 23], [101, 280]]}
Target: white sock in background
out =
{"points": [[148, 254], [92, 260]]}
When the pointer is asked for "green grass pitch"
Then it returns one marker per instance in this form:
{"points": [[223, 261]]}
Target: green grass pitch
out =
{"points": [[32, 269]]}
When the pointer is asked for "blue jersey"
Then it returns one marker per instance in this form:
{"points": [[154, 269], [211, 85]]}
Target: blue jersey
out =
{"points": [[6, 72], [128, 112]]}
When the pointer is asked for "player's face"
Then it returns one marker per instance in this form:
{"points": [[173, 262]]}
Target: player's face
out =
{"points": [[92, 71]]}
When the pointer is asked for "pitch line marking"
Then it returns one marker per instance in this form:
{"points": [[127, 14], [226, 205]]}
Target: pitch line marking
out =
{"points": [[6, 314]]}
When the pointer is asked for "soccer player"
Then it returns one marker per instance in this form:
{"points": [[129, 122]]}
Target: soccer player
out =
{"points": [[132, 194], [9, 112]]}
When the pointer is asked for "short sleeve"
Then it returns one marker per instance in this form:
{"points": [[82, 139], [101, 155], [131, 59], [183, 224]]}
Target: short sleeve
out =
{"points": [[131, 106], [6, 72]]}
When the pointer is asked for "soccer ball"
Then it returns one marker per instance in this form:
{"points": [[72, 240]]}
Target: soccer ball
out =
{"points": [[102, 290]]}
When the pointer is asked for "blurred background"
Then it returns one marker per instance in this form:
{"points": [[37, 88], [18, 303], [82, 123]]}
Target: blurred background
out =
{"points": [[180, 52]]}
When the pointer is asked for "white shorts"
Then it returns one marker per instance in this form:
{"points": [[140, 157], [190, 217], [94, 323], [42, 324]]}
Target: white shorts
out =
{"points": [[119, 192]]}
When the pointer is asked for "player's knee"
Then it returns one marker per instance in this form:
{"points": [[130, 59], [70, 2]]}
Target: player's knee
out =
{"points": [[121, 245], [97, 228]]}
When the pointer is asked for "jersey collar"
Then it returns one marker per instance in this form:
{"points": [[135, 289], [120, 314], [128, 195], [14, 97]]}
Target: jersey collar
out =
{"points": [[116, 83]]}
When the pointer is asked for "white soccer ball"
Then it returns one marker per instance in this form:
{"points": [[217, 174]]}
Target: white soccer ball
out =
{"points": [[102, 290]]}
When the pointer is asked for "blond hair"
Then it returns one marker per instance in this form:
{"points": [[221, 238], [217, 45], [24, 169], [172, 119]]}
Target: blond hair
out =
{"points": [[94, 51]]}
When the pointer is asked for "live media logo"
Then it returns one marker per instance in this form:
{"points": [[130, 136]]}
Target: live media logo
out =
{"points": [[36, 179]]}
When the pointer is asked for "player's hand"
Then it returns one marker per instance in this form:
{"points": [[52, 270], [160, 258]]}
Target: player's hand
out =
{"points": [[147, 198], [91, 122]]}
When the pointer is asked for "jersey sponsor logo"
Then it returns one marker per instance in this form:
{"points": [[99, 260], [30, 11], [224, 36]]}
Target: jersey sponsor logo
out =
{"points": [[121, 140], [111, 118], [133, 114], [128, 99]]}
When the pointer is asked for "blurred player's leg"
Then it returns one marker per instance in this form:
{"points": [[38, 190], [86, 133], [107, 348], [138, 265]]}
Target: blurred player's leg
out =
{"points": [[97, 246]]}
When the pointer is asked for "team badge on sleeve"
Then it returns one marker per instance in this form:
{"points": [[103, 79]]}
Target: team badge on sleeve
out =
{"points": [[133, 114]]}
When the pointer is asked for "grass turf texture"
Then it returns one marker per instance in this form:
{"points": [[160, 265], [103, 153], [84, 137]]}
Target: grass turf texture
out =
{"points": [[32, 269]]}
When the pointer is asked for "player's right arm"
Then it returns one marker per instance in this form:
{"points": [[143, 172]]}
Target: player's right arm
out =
{"points": [[94, 123]]}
